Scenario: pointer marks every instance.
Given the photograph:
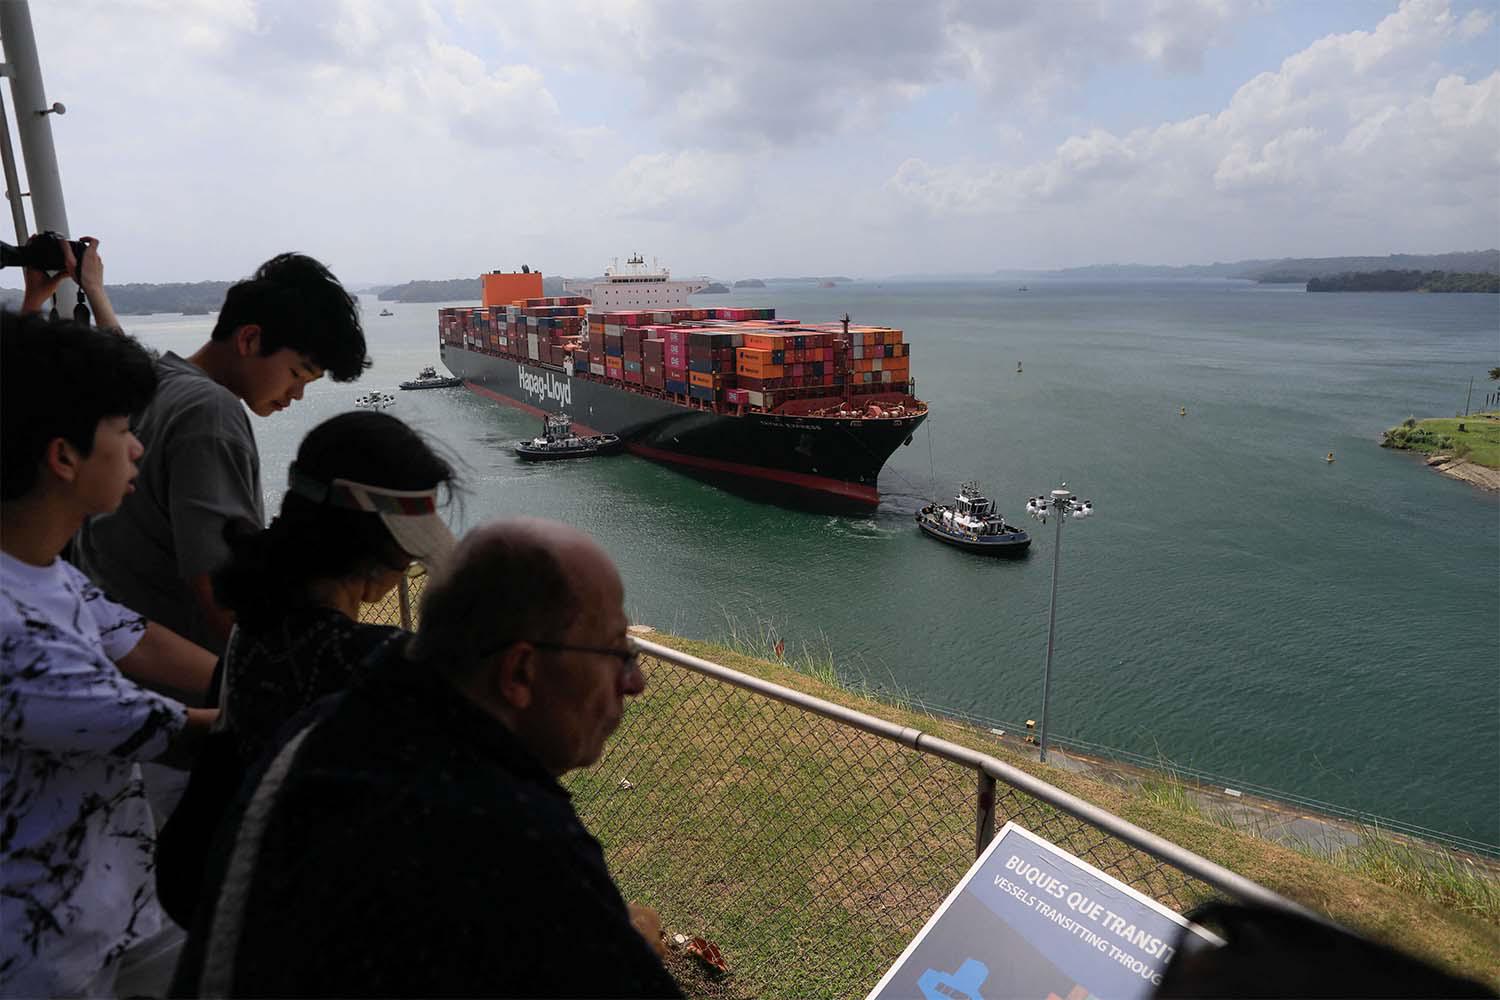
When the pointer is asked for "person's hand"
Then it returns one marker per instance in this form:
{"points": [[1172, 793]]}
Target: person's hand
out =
{"points": [[648, 924], [41, 286], [89, 272]]}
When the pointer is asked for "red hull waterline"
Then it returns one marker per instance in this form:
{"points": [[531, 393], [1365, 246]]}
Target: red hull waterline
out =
{"points": [[820, 485]]}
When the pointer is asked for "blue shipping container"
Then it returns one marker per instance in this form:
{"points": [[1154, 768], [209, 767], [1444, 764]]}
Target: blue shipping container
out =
{"points": [[674, 386]]}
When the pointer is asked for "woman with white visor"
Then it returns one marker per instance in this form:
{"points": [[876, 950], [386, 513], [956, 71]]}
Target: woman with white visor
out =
{"points": [[361, 506]]}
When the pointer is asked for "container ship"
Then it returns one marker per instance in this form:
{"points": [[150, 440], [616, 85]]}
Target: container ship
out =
{"points": [[803, 413]]}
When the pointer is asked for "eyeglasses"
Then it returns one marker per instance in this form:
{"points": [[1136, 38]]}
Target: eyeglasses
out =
{"points": [[629, 658]]}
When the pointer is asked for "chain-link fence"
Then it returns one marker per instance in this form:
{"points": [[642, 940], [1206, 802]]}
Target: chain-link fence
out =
{"points": [[399, 607], [809, 850], [811, 843]]}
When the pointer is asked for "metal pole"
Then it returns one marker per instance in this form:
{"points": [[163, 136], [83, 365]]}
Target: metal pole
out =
{"points": [[1058, 498], [984, 813], [1469, 396], [403, 598], [33, 124], [12, 178]]}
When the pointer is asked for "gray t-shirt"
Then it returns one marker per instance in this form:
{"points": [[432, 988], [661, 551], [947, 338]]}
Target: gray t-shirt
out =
{"points": [[200, 470]]}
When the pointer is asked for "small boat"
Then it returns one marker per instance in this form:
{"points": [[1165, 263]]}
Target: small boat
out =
{"points": [[374, 400], [973, 524], [386, 312], [557, 440], [428, 378]]}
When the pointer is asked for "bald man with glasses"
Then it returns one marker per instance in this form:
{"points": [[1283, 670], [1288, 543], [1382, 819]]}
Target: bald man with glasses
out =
{"points": [[412, 838]]}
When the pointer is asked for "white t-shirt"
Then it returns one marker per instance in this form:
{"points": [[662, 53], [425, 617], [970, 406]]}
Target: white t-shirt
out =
{"points": [[76, 834]]}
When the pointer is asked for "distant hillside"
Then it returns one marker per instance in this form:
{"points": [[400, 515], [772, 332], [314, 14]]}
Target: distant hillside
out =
{"points": [[1305, 269], [1295, 270], [1407, 281], [452, 290], [142, 299], [749, 283], [1127, 272]]}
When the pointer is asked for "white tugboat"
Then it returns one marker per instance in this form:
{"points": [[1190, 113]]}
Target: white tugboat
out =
{"points": [[428, 378], [973, 524], [557, 440]]}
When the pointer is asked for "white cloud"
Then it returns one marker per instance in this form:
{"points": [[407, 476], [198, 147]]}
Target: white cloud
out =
{"points": [[694, 187], [1355, 124], [436, 137], [782, 71]]}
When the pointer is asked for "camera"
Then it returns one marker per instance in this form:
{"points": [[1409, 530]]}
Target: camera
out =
{"points": [[43, 252]]}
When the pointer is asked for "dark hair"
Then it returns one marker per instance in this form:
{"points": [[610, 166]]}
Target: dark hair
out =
{"points": [[504, 582], [298, 303], [58, 379], [271, 569]]}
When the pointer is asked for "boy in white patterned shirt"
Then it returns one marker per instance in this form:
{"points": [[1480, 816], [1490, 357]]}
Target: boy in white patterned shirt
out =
{"points": [[76, 834]]}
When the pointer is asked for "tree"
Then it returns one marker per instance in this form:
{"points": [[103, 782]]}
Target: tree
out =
{"points": [[1495, 374]]}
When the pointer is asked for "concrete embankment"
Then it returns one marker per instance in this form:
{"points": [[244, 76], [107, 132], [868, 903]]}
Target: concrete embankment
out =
{"points": [[1459, 468]]}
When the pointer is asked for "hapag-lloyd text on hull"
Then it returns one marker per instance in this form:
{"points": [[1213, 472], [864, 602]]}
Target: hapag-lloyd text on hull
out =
{"points": [[545, 386]]}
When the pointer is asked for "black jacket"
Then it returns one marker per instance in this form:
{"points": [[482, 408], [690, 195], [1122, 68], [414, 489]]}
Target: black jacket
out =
{"points": [[415, 848]]}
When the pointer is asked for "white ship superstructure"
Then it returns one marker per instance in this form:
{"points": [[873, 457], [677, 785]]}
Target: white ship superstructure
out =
{"points": [[634, 286]]}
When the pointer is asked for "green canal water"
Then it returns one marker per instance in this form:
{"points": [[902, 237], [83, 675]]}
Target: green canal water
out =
{"points": [[1237, 604]]}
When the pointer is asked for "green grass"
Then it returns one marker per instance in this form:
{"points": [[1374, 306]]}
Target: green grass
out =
{"points": [[1478, 442], [811, 853], [1423, 870], [1429, 871]]}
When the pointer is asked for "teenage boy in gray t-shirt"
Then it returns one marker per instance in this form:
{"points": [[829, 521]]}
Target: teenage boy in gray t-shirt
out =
{"points": [[277, 331]]}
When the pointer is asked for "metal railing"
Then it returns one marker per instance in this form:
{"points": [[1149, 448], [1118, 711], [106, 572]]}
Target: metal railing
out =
{"points": [[811, 841]]}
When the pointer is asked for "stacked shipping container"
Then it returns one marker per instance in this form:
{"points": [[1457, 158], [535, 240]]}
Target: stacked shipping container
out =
{"points": [[733, 356]]}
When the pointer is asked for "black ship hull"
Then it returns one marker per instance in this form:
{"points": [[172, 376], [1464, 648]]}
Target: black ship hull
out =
{"points": [[821, 462]]}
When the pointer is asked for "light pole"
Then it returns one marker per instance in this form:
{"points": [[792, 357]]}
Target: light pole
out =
{"points": [[1062, 505]]}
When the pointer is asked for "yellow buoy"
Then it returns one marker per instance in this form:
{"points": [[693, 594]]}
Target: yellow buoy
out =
{"points": [[1182, 411]]}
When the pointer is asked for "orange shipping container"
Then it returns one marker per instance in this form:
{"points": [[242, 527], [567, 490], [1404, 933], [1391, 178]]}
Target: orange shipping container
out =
{"points": [[763, 342], [703, 380], [501, 289]]}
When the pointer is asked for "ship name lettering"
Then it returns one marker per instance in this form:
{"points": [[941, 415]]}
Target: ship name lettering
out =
{"points": [[545, 386]]}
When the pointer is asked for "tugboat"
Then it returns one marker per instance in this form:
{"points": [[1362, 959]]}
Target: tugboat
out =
{"points": [[428, 378], [374, 400], [386, 312], [558, 441], [973, 524]]}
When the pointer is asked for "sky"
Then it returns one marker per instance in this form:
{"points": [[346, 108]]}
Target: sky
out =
{"points": [[438, 139]]}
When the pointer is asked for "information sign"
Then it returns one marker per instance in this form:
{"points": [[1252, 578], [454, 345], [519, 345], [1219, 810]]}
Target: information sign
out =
{"points": [[1031, 920]]}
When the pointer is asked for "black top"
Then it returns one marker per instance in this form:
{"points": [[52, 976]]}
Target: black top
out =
{"points": [[275, 670], [415, 848]]}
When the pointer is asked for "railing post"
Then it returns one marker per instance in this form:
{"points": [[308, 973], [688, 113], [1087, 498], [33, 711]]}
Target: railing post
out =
{"points": [[403, 597], [984, 813]]}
